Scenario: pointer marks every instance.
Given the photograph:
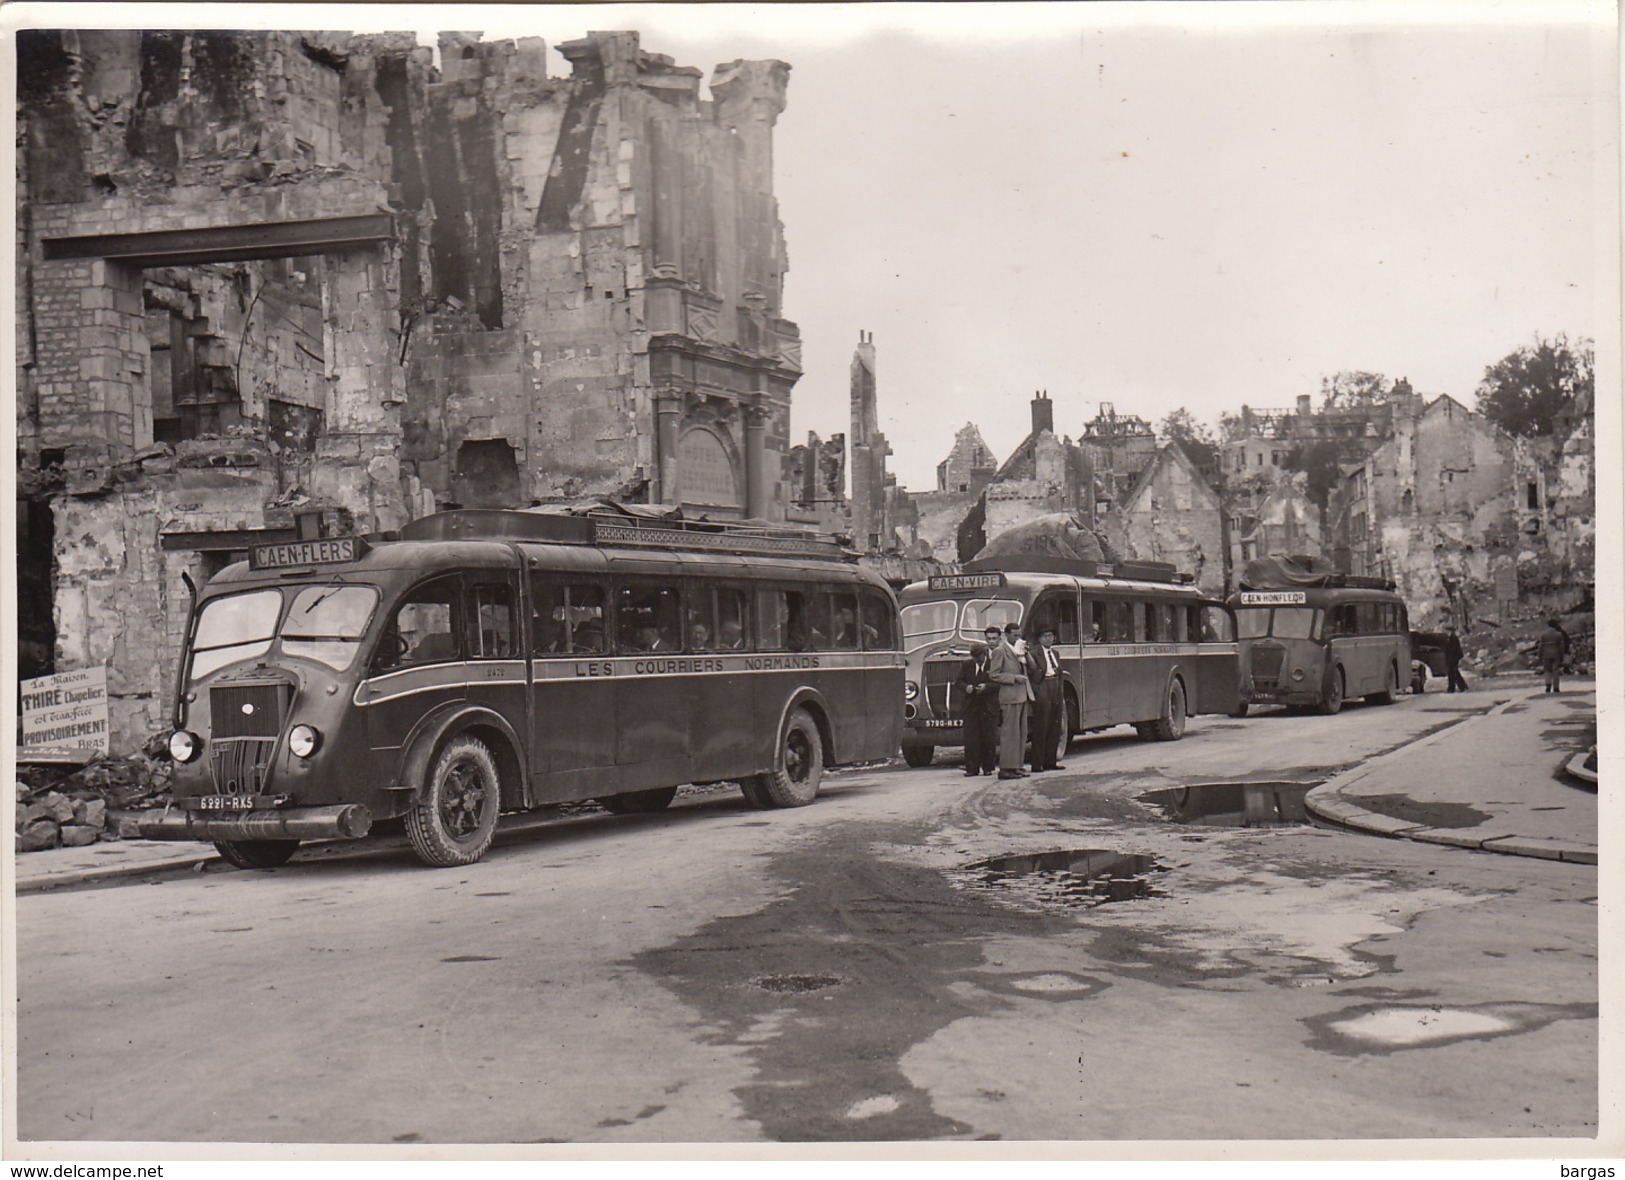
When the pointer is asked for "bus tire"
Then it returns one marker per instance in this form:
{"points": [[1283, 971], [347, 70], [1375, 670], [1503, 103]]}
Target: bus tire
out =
{"points": [[256, 854], [639, 802], [798, 764], [918, 756], [1331, 702], [1170, 727], [455, 818], [1390, 686], [751, 789]]}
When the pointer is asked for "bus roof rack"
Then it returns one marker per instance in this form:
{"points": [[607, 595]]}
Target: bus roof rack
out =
{"points": [[633, 526], [1048, 563], [1304, 571]]}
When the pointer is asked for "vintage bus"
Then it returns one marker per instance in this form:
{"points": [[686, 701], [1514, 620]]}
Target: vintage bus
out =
{"points": [[1138, 645], [491, 661], [1319, 643]]}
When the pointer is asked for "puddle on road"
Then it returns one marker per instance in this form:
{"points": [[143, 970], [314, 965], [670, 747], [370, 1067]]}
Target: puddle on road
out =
{"points": [[796, 983], [1234, 805], [1075, 877], [1389, 1028]]}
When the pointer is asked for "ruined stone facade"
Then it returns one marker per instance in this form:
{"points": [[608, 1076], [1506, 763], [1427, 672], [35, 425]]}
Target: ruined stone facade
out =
{"points": [[264, 274], [1174, 515], [1276, 520], [970, 466], [1461, 515]]}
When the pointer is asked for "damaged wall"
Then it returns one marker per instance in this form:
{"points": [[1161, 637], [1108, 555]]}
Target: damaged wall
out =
{"points": [[1174, 515]]}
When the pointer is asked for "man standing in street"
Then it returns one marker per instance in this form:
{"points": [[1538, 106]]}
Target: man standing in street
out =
{"points": [[1008, 669], [981, 710], [1048, 702], [1554, 645], [1452, 659]]}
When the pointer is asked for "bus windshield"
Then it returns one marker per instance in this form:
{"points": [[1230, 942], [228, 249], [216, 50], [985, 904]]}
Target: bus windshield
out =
{"points": [[1290, 622], [982, 613], [324, 624], [927, 622]]}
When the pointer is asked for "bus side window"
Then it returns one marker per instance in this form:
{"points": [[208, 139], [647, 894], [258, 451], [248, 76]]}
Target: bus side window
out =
{"points": [[1095, 612], [646, 619], [844, 621], [490, 635], [1140, 616], [1215, 624], [820, 629], [425, 626], [733, 628], [1159, 620], [879, 633], [1178, 614], [1057, 613], [782, 620], [567, 618], [700, 628], [1119, 626]]}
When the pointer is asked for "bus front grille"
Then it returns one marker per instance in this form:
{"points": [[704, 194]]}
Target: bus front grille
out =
{"points": [[239, 764], [942, 689], [1265, 666], [248, 710]]}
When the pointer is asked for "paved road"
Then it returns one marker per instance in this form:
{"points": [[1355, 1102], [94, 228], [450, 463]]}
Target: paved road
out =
{"points": [[839, 973]]}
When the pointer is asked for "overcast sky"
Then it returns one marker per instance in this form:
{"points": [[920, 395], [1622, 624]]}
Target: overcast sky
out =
{"points": [[1156, 205]]}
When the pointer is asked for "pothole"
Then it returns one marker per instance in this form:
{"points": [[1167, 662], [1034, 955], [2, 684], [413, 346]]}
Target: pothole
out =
{"points": [[1234, 805], [1073, 877], [796, 983]]}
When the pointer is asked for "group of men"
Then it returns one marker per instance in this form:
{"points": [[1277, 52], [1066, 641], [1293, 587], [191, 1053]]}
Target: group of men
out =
{"points": [[1012, 693]]}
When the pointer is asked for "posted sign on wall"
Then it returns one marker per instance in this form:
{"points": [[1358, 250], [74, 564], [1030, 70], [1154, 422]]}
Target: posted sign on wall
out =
{"points": [[65, 714]]}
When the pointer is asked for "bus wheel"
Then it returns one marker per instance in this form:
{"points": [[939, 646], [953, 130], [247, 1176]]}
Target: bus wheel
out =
{"points": [[635, 802], [1390, 685], [799, 766], [918, 756], [457, 816], [1332, 702], [256, 854], [1170, 727], [751, 789]]}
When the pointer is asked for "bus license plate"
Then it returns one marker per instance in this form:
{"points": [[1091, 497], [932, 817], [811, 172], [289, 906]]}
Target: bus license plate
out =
{"points": [[225, 802], [939, 724]]}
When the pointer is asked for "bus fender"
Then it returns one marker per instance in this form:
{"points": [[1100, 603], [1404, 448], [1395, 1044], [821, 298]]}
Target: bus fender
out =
{"points": [[808, 696], [448, 720]]}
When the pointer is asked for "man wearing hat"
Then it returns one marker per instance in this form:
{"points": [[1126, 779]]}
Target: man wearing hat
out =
{"points": [[981, 711], [1008, 669]]}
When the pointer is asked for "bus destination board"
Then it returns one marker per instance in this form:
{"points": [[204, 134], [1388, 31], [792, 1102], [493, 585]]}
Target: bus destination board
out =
{"points": [[297, 554], [1273, 598], [966, 581]]}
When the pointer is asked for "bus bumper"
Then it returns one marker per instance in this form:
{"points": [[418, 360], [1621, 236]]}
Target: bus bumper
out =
{"points": [[917, 735], [349, 821]]}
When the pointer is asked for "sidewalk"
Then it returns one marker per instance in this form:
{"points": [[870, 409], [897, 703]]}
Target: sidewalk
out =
{"points": [[1498, 781], [1495, 781]]}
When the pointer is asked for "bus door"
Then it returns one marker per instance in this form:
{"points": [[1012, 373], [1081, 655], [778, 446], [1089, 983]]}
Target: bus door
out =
{"points": [[572, 728], [1057, 610], [418, 663], [653, 693], [1218, 666], [498, 673]]}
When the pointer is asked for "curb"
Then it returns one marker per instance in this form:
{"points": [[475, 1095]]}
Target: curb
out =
{"points": [[1576, 767], [1327, 802], [70, 877]]}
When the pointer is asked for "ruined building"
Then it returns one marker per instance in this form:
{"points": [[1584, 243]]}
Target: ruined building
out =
{"points": [[272, 282]]}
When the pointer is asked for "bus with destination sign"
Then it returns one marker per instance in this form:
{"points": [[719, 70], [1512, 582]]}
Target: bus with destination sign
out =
{"points": [[1323, 640], [1137, 644], [493, 661]]}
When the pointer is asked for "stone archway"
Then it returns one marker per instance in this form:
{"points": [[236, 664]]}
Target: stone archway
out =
{"points": [[707, 471]]}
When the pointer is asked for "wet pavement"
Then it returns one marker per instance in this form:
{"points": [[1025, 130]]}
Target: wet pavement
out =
{"points": [[1530, 806]]}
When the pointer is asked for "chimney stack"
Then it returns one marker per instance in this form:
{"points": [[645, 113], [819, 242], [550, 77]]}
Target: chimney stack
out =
{"points": [[1043, 413]]}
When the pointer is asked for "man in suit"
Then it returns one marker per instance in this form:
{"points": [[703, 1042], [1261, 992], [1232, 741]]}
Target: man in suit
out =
{"points": [[1049, 702], [1008, 669], [981, 709]]}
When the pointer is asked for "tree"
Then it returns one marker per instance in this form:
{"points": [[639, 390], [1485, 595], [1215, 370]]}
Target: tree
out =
{"points": [[1351, 388], [1322, 464], [1195, 438], [1524, 391]]}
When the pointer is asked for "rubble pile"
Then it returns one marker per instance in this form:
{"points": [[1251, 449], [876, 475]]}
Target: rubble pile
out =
{"points": [[94, 802], [1512, 646]]}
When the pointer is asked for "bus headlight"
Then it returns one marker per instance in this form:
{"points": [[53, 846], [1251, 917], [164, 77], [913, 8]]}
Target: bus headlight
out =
{"points": [[1297, 673], [184, 746], [303, 741], [910, 691]]}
